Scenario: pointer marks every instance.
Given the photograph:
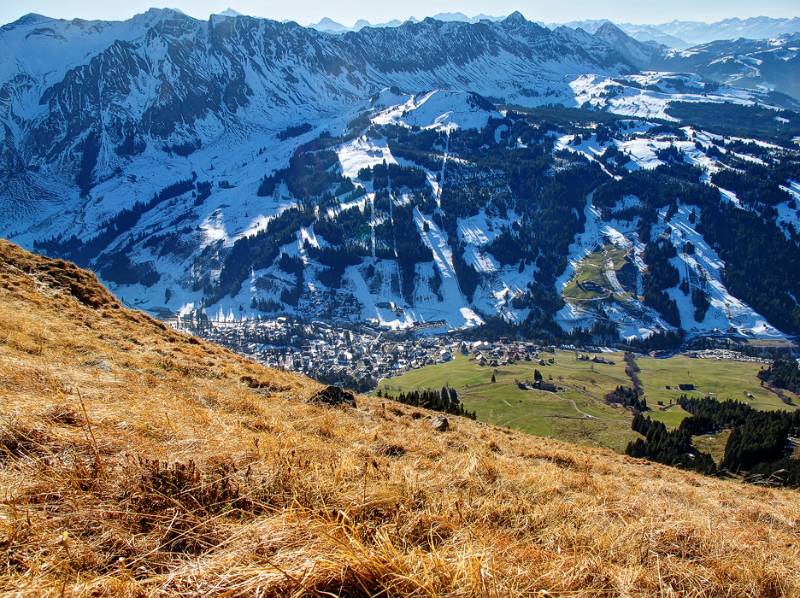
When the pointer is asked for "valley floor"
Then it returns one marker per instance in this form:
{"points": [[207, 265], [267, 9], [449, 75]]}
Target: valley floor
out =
{"points": [[578, 412]]}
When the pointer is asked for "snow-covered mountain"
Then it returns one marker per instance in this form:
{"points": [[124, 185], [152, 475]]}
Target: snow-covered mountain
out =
{"points": [[675, 34], [651, 33], [771, 64], [328, 25], [696, 32], [643, 55], [79, 98], [247, 167], [764, 64], [642, 33], [682, 34]]}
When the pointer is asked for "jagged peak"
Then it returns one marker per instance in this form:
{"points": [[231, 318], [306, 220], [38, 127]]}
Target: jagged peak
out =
{"points": [[429, 20], [609, 28], [153, 16], [165, 12], [33, 17], [329, 25], [515, 17]]}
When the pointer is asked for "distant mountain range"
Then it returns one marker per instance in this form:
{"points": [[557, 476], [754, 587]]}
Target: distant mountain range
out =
{"points": [[676, 34], [328, 25], [754, 28], [682, 34], [768, 63], [58, 77]]}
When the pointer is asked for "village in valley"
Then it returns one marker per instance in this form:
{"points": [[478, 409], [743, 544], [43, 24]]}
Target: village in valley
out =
{"points": [[357, 357]]}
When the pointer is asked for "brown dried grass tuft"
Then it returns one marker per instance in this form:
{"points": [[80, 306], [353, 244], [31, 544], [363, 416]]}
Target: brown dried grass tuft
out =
{"points": [[135, 461]]}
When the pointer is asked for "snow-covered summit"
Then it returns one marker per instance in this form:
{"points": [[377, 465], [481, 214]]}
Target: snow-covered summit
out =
{"points": [[229, 12]]}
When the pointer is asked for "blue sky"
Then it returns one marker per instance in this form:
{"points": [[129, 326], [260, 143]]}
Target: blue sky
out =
{"points": [[348, 11]]}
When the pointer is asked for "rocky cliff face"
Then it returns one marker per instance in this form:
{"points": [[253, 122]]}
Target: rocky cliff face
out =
{"points": [[85, 95]]}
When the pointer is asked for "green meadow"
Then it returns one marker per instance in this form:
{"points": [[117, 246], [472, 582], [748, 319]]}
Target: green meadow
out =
{"points": [[592, 269], [578, 413]]}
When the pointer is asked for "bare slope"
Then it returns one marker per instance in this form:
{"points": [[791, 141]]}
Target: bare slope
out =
{"points": [[137, 461]]}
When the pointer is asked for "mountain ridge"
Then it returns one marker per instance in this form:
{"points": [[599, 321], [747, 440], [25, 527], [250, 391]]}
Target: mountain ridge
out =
{"points": [[683, 34], [673, 34], [241, 166]]}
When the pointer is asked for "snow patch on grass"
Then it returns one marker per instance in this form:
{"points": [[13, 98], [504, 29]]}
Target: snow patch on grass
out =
{"points": [[442, 110], [361, 153]]}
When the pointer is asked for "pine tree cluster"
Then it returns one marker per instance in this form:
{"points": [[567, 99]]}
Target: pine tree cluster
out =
{"points": [[783, 373], [671, 447], [628, 398], [758, 446], [445, 400]]}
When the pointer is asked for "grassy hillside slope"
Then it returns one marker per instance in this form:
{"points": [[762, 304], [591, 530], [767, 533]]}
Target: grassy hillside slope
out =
{"points": [[138, 461]]}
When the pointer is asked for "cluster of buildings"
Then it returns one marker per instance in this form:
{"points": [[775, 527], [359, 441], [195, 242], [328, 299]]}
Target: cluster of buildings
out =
{"points": [[726, 354], [498, 354], [360, 356], [595, 359], [356, 357]]}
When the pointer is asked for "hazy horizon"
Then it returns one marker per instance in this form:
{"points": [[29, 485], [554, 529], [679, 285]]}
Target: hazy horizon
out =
{"points": [[350, 11]]}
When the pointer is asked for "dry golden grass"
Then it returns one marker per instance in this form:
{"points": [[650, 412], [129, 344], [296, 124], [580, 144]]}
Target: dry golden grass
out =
{"points": [[137, 461]]}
